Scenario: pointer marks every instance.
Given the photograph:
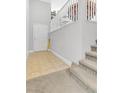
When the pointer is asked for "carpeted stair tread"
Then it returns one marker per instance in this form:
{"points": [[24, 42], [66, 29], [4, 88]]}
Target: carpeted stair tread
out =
{"points": [[92, 53], [90, 64], [83, 76], [94, 48]]}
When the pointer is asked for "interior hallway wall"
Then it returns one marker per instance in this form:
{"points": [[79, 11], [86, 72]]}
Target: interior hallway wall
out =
{"points": [[27, 27], [39, 13], [89, 29], [72, 41], [67, 42]]}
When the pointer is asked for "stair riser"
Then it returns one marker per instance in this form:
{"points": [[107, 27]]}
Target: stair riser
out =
{"points": [[88, 70], [80, 82], [94, 49], [91, 58]]}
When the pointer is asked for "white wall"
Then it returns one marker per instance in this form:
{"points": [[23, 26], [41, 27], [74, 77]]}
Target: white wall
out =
{"points": [[75, 39], [89, 29], [39, 12], [68, 42], [27, 27], [89, 36], [48, 1]]}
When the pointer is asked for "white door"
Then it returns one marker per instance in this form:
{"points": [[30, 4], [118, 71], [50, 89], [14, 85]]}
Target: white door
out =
{"points": [[40, 37]]}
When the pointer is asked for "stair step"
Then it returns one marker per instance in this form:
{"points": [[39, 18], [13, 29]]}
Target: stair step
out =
{"points": [[94, 48], [91, 55], [89, 71], [85, 78], [90, 64]]}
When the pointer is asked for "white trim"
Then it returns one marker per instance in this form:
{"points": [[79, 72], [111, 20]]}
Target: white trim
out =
{"points": [[60, 27], [31, 51], [47, 1], [28, 52], [68, 62]]}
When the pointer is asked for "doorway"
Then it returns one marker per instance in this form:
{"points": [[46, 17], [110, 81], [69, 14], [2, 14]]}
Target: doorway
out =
{"points": [[40, 37]]}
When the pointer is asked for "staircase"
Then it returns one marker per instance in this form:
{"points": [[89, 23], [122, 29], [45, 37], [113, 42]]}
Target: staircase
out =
{"points": [[86, 72]]}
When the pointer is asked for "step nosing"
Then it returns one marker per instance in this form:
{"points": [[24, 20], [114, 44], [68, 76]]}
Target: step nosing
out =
{"points": [[92, 54], [89, 64], [94, 46], [90, 67]]}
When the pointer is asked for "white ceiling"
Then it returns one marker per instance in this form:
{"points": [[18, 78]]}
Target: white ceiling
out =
{"points": [[57, 4]]}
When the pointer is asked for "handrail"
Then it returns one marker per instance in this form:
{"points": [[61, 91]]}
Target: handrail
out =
{"points": [[63, 6]]}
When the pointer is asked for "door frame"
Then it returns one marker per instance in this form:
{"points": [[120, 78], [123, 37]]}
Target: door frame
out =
{"points": [[36, 50]]}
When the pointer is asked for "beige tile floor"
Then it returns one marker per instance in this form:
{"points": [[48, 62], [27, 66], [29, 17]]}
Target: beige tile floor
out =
{"points": [[43, 63]]}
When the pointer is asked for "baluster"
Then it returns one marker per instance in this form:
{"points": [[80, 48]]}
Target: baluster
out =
{"points": [[77, 10], [72, 10]]}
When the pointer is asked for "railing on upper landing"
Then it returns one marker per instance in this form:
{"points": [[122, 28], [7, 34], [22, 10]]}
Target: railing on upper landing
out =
{"points": [[91, 10], [66, 15], [69, 13]]}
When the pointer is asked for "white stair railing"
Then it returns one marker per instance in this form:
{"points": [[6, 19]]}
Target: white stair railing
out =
{"points": [[91, 10], [67, 14]]}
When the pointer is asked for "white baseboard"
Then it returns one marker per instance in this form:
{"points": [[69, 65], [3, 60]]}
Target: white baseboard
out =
{"points": [[31, 51], [61, 57], [28, 52]]}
